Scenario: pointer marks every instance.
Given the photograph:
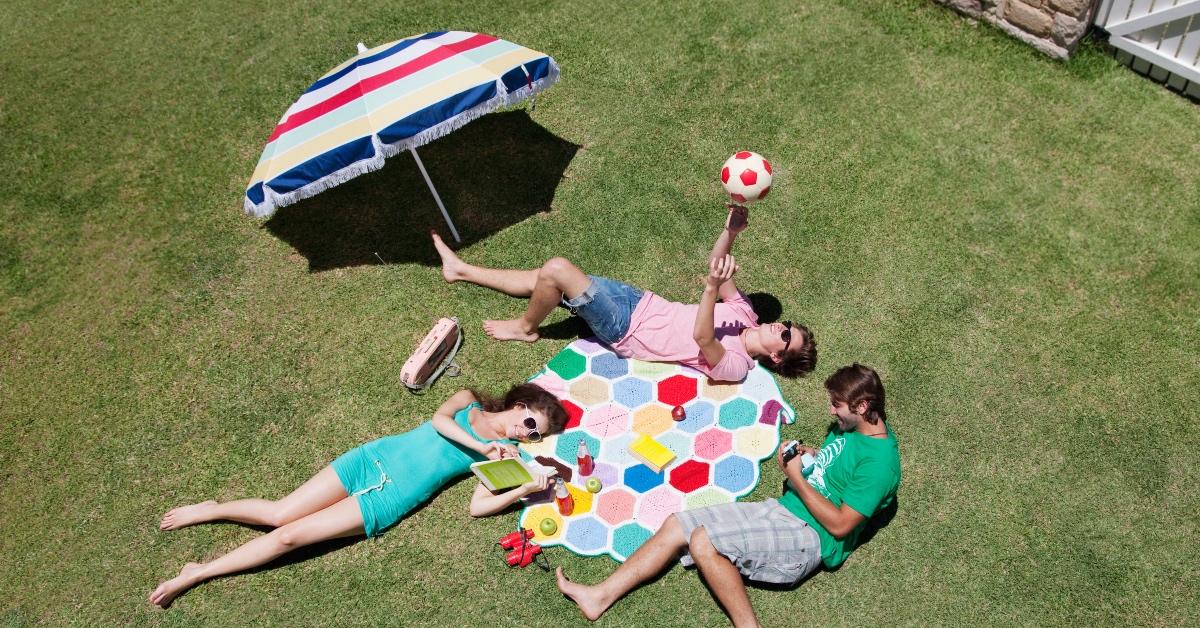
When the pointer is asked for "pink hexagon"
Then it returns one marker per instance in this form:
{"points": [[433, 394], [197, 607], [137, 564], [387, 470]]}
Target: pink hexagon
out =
{"points": [[605, 421], [615, 506], [689, 476], [657, 505], [551, 383], [713, 444], [748, 177], [677, 390]]}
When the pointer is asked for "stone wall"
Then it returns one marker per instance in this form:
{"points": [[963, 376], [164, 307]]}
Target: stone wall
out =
{"points": [[1052, 26]]}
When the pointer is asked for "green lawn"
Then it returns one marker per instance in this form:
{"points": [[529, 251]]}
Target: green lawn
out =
{"points": [[1010, 240]]}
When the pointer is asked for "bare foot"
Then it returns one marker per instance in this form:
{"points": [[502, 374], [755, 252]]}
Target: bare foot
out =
{"points": [[586, 597], [452, 266], [169, 590], [510, 330], [186, 515]]}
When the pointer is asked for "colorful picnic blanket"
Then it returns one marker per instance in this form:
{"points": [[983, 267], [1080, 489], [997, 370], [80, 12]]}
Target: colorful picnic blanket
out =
{"points": [[727, 431]]}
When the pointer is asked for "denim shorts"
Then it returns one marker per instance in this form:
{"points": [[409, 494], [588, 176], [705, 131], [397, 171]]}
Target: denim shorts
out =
{"points": [[606, 306]]}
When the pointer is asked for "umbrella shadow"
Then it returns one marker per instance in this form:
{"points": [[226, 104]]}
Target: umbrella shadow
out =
{"points": [[491, 174]]}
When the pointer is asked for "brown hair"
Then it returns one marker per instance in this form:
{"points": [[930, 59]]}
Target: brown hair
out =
{"points": [[533, 397], [797, 362], [857, 383]]}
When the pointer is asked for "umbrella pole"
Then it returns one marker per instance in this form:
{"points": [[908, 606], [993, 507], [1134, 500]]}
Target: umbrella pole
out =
{"points": [[437, 198]]}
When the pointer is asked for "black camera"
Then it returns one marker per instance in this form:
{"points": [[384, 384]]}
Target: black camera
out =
{"points": [[791, 450]]}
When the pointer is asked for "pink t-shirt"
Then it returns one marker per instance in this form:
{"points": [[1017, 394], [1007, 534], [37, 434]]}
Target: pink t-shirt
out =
{"points": [[661, 331]]}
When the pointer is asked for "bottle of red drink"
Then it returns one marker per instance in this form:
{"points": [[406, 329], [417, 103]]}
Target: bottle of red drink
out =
{"points": [[562, 497], [584, 458]]}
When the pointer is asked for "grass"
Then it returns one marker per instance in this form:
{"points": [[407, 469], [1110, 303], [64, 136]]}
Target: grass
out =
{"points": [[1012, 241]]}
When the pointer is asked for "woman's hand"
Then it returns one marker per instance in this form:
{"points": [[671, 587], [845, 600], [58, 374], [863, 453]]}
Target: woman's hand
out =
{"points": [[498, 451], [720, 270], [538, 484]]}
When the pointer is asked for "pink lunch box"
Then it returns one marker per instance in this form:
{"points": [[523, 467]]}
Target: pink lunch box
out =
{"points": [[434, 355]]}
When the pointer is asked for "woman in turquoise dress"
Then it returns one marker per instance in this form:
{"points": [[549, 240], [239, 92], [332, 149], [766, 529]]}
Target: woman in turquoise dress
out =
{"points": [[372, 487]]}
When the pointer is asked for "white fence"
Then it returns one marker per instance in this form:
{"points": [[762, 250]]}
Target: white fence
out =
{"points": [[1163, 36]]}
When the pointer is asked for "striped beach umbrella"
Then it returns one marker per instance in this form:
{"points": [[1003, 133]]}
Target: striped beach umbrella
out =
{"points": [[386, 100]]}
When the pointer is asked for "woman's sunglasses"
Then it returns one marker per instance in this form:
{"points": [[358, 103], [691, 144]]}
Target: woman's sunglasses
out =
{"points": [[534, 436]]}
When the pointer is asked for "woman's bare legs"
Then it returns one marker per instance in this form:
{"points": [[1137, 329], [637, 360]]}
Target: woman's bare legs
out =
{"points": [[544, 287], [322, 490], [339, 520]]}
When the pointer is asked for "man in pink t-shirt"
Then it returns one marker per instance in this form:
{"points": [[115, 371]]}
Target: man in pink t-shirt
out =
{"points": [[720, 339]]}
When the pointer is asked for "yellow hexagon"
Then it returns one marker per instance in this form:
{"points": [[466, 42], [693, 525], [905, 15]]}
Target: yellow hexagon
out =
{"points": [[583, 499], [756, 441], [651, 370], [533, 520], [590, 391], [708, 497], [652, 420], [544, 447], [717, 391]]}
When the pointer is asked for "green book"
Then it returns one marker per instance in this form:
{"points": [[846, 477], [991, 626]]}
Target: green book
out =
{"points": [[499, 475]]}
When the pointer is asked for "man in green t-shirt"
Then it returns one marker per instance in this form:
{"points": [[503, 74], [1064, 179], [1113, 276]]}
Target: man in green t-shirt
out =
{"points": [[816, 521]]}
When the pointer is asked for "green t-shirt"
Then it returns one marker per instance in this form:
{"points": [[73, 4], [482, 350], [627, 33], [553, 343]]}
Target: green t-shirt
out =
{"points": [[852, 469]]}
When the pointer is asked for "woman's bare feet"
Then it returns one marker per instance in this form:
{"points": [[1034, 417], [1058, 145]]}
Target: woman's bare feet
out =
{"points": [[166, 592], [587, 598], [187, 515], [452, 266], [514, 329]]}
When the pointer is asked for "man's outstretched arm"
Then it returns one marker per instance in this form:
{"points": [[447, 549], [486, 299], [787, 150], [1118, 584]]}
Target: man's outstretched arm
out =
{"points": [[720, 274], [735, 223]]}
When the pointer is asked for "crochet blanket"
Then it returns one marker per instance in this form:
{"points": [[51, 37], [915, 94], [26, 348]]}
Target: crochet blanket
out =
{"points": [[728, 429]]}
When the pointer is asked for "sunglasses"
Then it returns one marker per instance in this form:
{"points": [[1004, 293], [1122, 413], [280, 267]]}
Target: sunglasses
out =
{"points": [[786, 336], [534, 436]]}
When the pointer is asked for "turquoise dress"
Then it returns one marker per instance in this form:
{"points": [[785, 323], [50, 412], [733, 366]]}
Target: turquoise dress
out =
{"points": [[391, 476]]}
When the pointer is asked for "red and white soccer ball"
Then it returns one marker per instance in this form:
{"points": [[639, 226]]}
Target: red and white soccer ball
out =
{"points": [[747, 177]]}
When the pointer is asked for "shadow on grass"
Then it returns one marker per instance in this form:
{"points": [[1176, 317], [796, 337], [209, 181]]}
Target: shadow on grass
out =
{"points": [[766, 306], [491, 174]]}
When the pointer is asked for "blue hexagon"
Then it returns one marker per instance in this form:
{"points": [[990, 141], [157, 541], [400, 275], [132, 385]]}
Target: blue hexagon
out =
{"points": [[734, 474], [629, 537], [568, 445], [679, 444], [699, 415], [738, 413], [642, 478], [633, 392], [760, 385], [616, 450], [609, 365], [587, 534]]}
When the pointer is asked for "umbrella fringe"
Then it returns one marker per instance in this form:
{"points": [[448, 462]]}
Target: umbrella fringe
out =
{"points": [[273, 200], [449, 125]]}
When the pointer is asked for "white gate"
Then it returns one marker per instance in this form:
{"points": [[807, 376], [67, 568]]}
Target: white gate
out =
{"points": [[1162, 35]]}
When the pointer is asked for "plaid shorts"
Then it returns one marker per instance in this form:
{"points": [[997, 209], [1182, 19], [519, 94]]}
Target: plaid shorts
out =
{"points": [[764, 540]]}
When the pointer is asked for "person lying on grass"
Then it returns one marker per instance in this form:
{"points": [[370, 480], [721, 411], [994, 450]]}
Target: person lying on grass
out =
{"points": [[816, 521], [372, 487], [721, 340]]}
